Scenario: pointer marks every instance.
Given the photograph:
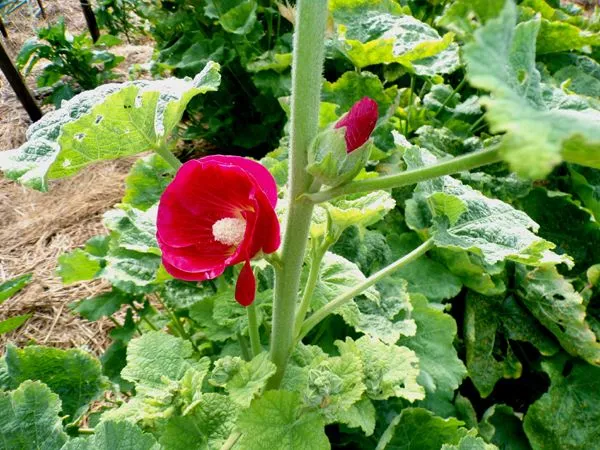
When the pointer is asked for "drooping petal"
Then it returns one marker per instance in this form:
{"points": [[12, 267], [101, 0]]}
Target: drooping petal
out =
{"points": [[359, 122], [260, 173], [245, 288], [267, 234]]}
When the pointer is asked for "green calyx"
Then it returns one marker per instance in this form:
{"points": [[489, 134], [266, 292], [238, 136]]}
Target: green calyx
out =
{"points": [[330, 163]]}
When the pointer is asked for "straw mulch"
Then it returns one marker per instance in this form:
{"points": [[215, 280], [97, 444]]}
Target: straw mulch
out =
{"points": [[36, 228]]}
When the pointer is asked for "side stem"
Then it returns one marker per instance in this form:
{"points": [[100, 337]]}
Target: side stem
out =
{"points": [[322, 313], [253, 330], [447, 167], [307, 67], [168, 156], [309, 289]]}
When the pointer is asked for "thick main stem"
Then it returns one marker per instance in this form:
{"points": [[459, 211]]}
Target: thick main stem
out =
{"points": [[319, 315], [448, 167], [307, 66]]}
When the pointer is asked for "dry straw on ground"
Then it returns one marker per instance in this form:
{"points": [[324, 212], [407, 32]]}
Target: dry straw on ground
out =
{"points": [[36, 228]]}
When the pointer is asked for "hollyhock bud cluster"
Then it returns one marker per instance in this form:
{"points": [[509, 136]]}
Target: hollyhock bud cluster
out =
{"points": [[341, 151]]}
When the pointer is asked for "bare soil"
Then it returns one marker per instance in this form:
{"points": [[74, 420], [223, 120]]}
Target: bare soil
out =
{"points": [[36, 228]]}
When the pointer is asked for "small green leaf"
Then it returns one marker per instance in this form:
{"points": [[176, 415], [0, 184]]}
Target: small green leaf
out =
{"points": [[361, 211], [442, 371], [12, 286], [12, 323], [103, 305], [156, 358], [78, 265], [276, 421], [115, 436], [470, 443], [146, 181], [206, 427], [482, 338], [242, 380], [134, 229], [389, 370], [74, 375], [29, 418], [419, 429], [502, 427]]}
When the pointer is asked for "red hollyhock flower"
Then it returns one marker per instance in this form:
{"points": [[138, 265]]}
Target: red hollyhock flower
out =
{"points": [[359, 122], [217, 212]]}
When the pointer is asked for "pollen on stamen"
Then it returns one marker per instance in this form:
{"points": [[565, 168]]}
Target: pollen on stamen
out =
{"points": [[229, 231]]}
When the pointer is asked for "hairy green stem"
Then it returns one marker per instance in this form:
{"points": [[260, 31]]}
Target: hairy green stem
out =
{"points": [[309, 289], [166, 154], [253, 330], [446, 167], [307, 67], [330, 307]]}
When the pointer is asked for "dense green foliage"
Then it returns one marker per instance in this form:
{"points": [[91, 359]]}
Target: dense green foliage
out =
{"points": [[76, 62], [489, 341]]}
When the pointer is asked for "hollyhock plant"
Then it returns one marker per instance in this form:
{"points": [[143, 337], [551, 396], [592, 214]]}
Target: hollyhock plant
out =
{"points": [[218, 211], [359, 122]]}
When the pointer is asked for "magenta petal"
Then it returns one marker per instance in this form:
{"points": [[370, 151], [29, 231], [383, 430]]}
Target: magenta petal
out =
{"points": [[260, 173], [192, 276], [359, 122], [245, 288]]}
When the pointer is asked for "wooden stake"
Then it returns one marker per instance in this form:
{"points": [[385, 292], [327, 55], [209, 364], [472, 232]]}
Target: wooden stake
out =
{"points": [[16, 81], [42, 10], [3, 29], [90, 18]]}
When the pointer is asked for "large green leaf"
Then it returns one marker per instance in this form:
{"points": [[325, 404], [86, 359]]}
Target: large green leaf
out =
{"points": [[74, 375], [442, 371], [115, 436], [277, 421], [29, 418], [543, 125], [560, 308], [566, 417], [109, 122], [205, 427], [460, 217], [419, 429]]}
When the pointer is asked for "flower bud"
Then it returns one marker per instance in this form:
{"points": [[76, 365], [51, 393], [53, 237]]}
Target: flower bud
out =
{"points": [[339, 152]]}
